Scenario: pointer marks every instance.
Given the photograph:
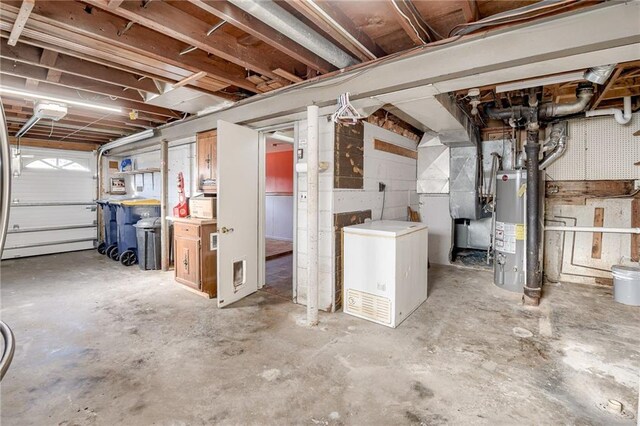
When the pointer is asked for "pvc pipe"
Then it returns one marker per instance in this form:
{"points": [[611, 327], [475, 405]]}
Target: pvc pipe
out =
{"points": [[621, 116], [593, 229], [313, 136]]}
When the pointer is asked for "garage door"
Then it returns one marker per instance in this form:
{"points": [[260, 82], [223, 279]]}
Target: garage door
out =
{"points": [[52, 203]]}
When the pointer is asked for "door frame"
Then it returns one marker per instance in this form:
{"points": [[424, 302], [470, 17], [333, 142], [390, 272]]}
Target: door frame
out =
{"points": [[262, 205]]}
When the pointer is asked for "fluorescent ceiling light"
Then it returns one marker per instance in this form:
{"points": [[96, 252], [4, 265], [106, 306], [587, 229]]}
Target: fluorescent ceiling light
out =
{"points": [[32, 95], [542, 81]]}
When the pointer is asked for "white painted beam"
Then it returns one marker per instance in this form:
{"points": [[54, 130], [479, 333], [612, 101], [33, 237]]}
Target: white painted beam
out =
{"points": [[21, 21]]}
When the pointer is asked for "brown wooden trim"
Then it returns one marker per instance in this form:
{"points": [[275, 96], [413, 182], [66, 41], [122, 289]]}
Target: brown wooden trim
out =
{"points": [[394, 149], [73, 146], [635, 223], [598, 221]]}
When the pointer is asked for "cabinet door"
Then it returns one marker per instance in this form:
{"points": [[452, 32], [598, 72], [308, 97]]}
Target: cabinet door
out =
{"points": [[187, 262], [206, 156]]}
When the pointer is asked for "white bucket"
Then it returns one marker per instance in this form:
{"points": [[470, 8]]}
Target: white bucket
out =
{"points": [[626, 285]]}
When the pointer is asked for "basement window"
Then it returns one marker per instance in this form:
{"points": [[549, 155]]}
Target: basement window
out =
{"points": [[57, 164]]}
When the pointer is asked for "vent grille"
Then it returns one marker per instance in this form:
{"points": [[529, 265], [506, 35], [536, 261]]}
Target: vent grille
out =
{"points": [[370, 306]]}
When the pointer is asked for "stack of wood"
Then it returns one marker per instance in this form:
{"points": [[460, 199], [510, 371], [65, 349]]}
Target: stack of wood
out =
{"points": [[390, 122]]}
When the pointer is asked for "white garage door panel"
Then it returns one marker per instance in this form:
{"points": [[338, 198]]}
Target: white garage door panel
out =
{"points": [[36, 251], [54, 177], [41, 217]]}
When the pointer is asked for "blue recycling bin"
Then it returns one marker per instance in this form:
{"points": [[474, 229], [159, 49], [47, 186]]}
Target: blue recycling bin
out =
{"points": [[109, 227], [128, 213]]}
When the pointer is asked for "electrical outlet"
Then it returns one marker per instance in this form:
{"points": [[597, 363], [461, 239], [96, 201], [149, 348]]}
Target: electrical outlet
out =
{"points": [[381, 187], [302, 196]]}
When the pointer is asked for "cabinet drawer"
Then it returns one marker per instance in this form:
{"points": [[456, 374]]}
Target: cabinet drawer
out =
{"points": [[186, 230]]}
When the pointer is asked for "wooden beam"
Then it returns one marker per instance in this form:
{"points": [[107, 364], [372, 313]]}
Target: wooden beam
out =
{"points": [[29, 54], [394, 149], [68, 26], [72, 81], [46, 88], [333, 10], [21, 21], [404, 19], [65, 124], [602, 94], [247, 23], [31, 84], [598, 221], [324, 16], [40, 143], [188, 80], [635, 223], [114, 4], [171, 21], [287, 75], [470, 10]]}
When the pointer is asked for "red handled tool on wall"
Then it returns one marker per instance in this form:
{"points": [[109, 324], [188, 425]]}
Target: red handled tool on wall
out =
{"points": [[182, 209]]}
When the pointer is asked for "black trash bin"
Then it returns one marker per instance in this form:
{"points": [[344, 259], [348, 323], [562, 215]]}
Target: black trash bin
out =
{"points": [[149, 240]]}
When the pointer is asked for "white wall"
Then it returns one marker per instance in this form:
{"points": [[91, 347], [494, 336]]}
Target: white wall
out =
{"points": [[182, 158], [279, 217], [599, 149], [397, 172], [325, 249]]}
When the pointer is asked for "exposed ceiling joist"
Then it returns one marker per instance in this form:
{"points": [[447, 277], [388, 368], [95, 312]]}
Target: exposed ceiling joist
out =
{"points": [[330, 20], [411, 27], [54, 90], [74, 66], [67, 25], [470, 10], [39, 143], [21, 21], [262, 31], [169, 20]]}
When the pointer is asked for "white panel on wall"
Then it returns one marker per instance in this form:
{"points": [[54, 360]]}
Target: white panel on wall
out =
{"points": [[599, 149], [279, 217]]}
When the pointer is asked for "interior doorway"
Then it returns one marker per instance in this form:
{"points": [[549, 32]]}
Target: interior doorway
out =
{"points": [[279, 208]]}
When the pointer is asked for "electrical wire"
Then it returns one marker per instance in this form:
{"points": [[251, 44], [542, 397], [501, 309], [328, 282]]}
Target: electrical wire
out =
{"points": [[505, 19], [408, 20], [51, 132], [419, 17], [384, 193], [84, 127]]}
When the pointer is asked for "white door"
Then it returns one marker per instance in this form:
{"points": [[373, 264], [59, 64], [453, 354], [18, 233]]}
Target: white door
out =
{"points": [[53, 206], [238, 152]]}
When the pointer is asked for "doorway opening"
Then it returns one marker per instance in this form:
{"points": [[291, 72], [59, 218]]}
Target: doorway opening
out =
{"points": [[279, 208]]}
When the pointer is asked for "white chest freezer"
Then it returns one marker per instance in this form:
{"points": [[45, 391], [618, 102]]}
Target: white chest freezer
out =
{"points": [[385, 270]]}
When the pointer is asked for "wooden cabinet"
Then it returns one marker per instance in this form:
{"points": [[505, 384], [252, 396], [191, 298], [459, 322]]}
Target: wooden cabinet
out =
{"points": [[196, 254], [207, 159]]}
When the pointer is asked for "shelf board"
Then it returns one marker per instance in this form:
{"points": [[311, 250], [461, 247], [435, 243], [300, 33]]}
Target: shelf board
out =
{"points": [[140, 171]]}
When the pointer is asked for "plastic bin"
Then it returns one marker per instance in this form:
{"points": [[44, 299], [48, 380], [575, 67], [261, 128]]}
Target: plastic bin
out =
{"points": [[109, 227], [149, 240], [626, 284], [128, 213]]}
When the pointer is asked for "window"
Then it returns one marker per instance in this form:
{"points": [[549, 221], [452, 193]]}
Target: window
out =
{"points": [[57, 164]]}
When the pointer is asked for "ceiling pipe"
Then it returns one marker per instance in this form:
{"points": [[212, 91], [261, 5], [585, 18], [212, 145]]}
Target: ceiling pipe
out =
{"points": [[290, 26], [551, 109], [621, 116]]}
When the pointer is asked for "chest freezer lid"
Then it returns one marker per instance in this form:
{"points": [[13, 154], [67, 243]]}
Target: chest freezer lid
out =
{"points": [[385, 228]]}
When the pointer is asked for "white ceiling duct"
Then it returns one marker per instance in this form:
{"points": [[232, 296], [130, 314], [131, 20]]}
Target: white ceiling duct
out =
{"points": [[287, 24]]}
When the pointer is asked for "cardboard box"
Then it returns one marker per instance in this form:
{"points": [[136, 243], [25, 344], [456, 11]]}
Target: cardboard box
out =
{"points": [[202, 207]]}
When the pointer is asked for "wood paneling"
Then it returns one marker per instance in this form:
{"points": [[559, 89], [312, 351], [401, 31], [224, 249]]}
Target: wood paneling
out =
{"points": [[349, 156], [394, 149], [635, 223], [598, 221], [340, 220]]}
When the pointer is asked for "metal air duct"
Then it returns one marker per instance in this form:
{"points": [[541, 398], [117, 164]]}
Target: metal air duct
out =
{"points": [[599, 75], [290, 26]]}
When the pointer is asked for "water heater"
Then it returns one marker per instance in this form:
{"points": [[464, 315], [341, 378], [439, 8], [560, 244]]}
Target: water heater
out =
{"points": [[510, 231]]}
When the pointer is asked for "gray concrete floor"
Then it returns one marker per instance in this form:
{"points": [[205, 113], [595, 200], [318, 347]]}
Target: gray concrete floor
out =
{"points": [[101, 344]]}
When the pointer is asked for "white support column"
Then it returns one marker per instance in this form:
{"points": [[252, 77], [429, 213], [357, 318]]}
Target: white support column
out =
{"points": [[164, 201], [313, 136]]}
